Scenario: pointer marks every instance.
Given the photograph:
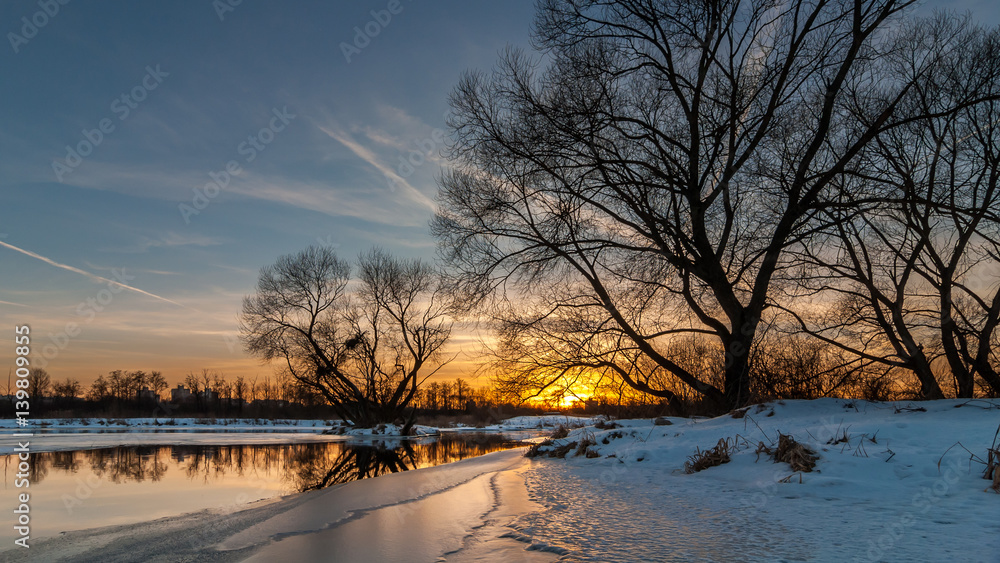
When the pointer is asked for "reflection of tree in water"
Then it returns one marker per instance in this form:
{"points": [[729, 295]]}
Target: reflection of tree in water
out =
{"points": [[303, 466], [66, 461], [215, 462], [451, 447], [37, 468], [129, 463], [118, 465], [311, 469], [308, 471]]}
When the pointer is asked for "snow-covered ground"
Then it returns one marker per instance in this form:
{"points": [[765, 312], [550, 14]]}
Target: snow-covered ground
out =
{"points": [[544, 421], [893, 482], [166, 424]]}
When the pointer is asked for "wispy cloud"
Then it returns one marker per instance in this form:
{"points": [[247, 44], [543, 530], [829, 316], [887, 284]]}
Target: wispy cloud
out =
{"points": [[85, 273], [368, 156], [93, 266], [12, 304], [171, 239], [155, 182], [330, 200]]}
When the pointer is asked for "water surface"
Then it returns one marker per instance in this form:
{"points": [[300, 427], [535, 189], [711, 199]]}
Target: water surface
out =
{"points": [[78, 489]]}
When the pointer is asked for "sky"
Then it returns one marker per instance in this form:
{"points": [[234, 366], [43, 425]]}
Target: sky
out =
{"points": [[118, 121], [155, 155]]}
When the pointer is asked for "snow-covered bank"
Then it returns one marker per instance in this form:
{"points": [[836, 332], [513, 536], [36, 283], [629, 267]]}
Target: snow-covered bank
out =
{"points": [[166, 424], [893, 482], [381, 430], [544, 421]]}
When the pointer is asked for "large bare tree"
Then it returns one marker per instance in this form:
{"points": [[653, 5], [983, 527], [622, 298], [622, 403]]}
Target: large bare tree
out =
{"points": [[914, 270], [365, 346], [648, 181]]}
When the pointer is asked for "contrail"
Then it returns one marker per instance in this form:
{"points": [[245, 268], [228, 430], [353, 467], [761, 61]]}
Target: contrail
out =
{"points": [[369, 157], [85, 273]]}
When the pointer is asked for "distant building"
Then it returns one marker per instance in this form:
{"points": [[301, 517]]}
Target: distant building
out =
{"points": [[181, 395], [148, 395]]}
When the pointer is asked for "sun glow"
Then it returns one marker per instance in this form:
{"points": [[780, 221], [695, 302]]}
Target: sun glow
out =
{"points": [[574, 400], [573, 396]]}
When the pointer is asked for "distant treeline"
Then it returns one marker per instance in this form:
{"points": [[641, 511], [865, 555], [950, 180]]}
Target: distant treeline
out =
{"points": [[210, 393]]}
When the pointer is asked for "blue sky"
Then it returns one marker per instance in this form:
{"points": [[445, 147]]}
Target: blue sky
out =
{"points": [[163, 97], [202, 92]]}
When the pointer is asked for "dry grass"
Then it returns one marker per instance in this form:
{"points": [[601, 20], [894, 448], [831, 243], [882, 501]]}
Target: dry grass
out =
{"points": [[701, 460], [555, 451], [791, 452], [560, 432], [585, 443], [536, 449]]}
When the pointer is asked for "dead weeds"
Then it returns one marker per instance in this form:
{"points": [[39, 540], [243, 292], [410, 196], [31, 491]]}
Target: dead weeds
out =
{"points": [[800, 457], [560, 432], [718, 455]]}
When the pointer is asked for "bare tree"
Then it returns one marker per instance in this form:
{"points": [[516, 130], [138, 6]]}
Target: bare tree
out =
{"points": [[193, 383], [649, 182], [67, 391], [157, 383], [207, 379], [241, 390], [100, 390], [39, 383], [910, 270], [367, 350]]}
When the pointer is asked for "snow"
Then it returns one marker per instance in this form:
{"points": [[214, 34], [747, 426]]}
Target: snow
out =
{"points": [[163, 423], [544, 421], [902, 487], [383, 430], [893, 482]]}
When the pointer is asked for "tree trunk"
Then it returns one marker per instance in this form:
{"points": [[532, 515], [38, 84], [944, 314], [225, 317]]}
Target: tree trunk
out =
{"points": [[737, 371], [929, 387]]}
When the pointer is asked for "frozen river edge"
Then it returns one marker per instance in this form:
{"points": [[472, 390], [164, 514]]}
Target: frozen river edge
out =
{"points": [[453, 512]]}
